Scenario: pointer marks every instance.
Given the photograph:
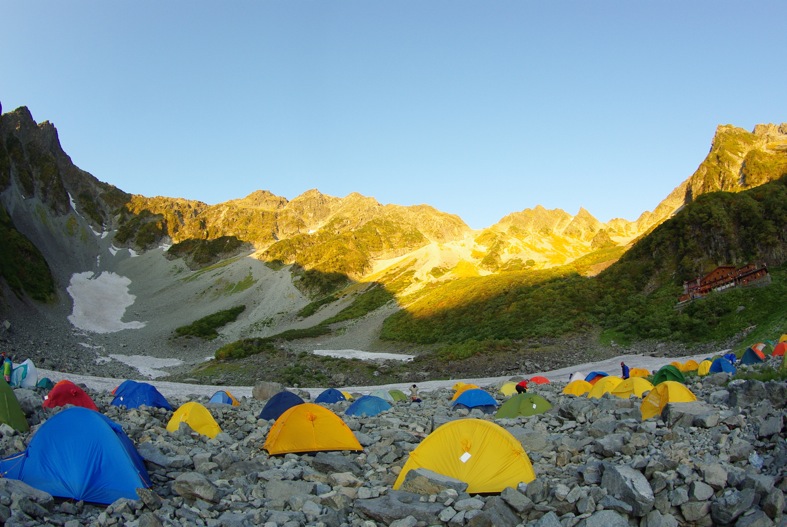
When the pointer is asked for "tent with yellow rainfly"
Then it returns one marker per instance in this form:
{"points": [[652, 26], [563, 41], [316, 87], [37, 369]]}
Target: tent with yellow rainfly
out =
{"points": [[704, 368], [632, 386], [604, 385], [481, 453], [309, 427], [462, 389], [639, 372], [508, 388], [577, 387], [663, 393], [197, 417]]}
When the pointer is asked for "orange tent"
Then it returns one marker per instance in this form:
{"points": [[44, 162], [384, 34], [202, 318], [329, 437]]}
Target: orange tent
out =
{"points": [[539, 379], [779, 349], [309, 427]]}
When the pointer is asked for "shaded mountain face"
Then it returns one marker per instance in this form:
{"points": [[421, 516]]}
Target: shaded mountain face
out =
{"points": [[79, 223]]}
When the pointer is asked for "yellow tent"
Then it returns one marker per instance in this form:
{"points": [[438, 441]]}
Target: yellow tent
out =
{"points": [[638, 372], [677, 364], [783, 337], [604, 385], [704, 368], [463, 389], [197, 417], [690, 365], [482, 454], [577, 387], [309, 427], [508, 389], [347, 395], [457, 385], [663, 393], [632, 386]]}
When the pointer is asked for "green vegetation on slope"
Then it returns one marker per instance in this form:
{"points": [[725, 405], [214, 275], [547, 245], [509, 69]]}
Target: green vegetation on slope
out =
{"points": [[633, 299], [205, 328], [22, 265]]}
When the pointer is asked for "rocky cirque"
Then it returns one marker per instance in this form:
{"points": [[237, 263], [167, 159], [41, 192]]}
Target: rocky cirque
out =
{"points": [[719, 461]]}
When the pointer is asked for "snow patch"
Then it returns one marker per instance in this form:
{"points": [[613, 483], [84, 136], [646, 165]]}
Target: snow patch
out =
{"points": [[363, 355], [147, 366], [100, 301]]}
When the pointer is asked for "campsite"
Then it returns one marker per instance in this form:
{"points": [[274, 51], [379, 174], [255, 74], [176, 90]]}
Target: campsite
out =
{"points": [[678, 445]]}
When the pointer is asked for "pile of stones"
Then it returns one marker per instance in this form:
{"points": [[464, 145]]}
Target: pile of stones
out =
{"points": [[718, 461]]}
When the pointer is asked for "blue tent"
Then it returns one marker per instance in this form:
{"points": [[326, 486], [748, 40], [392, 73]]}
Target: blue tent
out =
{"points": [[222, 397], [592, 375], [132, 394], [368, 406], [278, 404], [476, 398], [722, 365], [731, 357], [331, 395], [80, 454]]}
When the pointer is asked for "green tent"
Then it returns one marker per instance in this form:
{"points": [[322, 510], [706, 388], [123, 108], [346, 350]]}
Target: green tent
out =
{"points": [[525, 404], [10, 411], [398, 395], [46, 383], [668, 373]]}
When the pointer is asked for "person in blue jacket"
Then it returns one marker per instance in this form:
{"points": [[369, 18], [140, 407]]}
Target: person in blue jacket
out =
{"points": [[624, 370]]}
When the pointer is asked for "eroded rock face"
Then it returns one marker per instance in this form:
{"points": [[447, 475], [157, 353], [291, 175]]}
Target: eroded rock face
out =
{"points": [[596, 463]]}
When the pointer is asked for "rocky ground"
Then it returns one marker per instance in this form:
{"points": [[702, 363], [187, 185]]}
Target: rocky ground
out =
{"points": [[719, 461]]}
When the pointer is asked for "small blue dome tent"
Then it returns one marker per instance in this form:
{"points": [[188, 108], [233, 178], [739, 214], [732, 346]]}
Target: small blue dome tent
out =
{"points": [[722, 365], [731, 357], [331, 395], [278, 404], [476, 398], [132, 394], [368, 406], [80, 454], [223, 397]]}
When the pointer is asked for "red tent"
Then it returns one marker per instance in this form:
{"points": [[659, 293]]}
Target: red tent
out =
{"points": [[539, 379], [66, 392], [779, 349]]}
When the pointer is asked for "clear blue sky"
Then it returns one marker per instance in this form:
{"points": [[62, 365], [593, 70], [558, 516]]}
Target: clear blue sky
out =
{"points": [[478, 108]]}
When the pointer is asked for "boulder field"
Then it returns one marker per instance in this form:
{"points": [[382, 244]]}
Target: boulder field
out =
{"points": [[718, 461]]}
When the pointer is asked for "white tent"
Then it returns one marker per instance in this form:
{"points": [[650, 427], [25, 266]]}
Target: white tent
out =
{"points": [[25, 375], [577, 375]]}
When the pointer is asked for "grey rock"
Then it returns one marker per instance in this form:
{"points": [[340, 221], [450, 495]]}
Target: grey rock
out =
{"points": [[516, 500], [397, 505], [714, 474], [630, 486], [725, 509], [193, 485], [148, 519], [549, 519], [151, 500], [657, 519], [754, 518], [29, 400], [694, 511], [264, 390], [690, 414], [770, 426], [424, 481], [605, 518], [773, 503], [329, 462], [495, 514], [700, 491]]}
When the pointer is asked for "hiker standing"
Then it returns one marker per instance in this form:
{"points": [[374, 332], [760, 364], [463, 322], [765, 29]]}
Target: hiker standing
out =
{"points": [[624, 370], [414, 394], [7, 367]]}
